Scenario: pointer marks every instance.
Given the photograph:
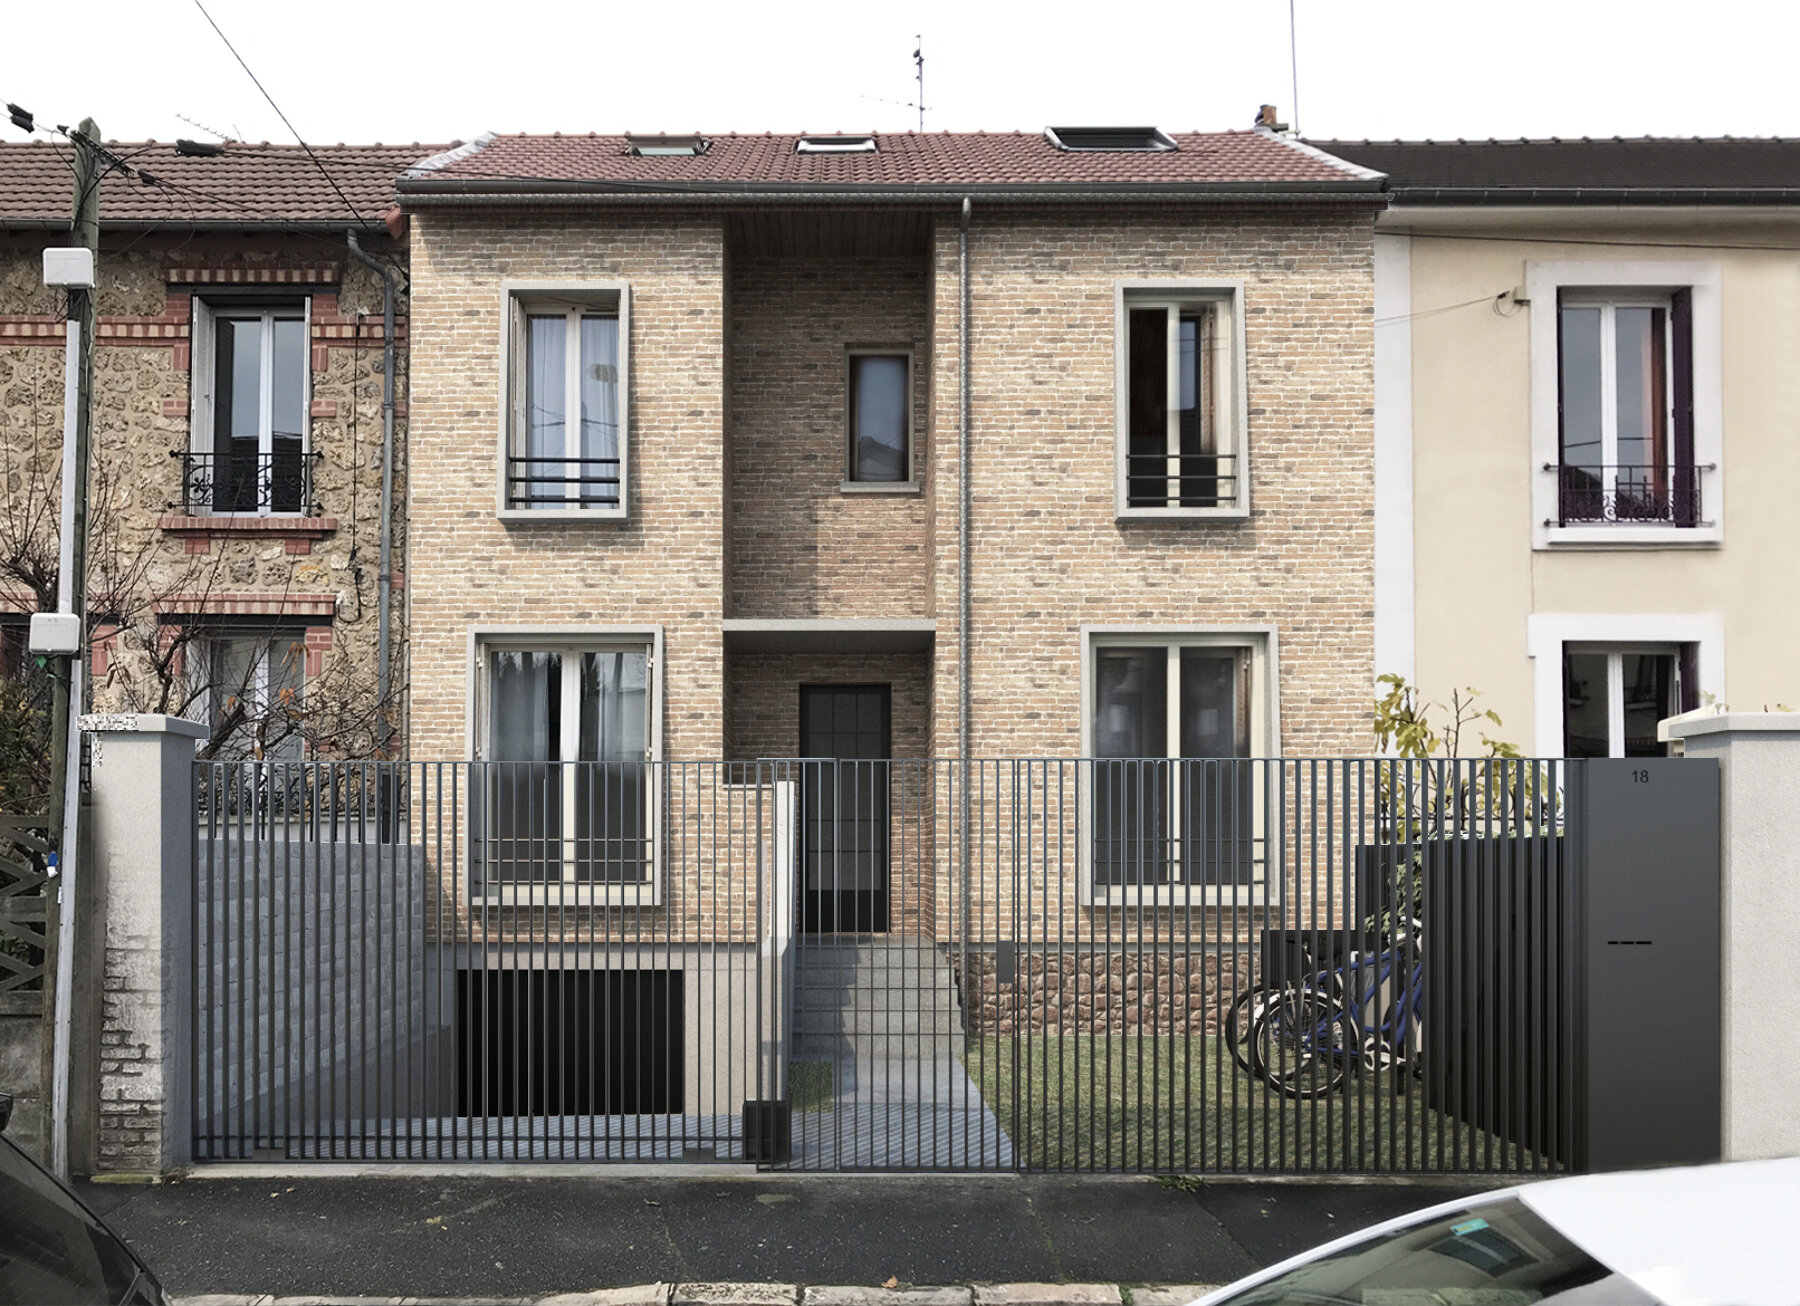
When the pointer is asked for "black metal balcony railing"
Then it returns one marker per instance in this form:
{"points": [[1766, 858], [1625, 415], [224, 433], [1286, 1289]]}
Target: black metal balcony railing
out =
{"points": [[1627, 494], [1181, 480], [561, 482], [248, 482]]}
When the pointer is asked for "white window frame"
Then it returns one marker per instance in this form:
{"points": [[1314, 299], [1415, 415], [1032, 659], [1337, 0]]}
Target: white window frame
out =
{"points": [[1625, 282], [1263, 645], [1232, 412], [850, 484], [203, 385], [570, 642], [576, 298], [1549, 634]]}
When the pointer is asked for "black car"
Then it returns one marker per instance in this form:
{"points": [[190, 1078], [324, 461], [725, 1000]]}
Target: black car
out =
{"points": [[53, 1250]]}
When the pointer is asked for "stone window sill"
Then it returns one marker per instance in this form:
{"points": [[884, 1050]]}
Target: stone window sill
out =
{"points": [[299, 533], [879, 487]]}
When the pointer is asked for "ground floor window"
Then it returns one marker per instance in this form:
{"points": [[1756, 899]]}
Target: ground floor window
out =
{"points": [[253, 683], [1171, 722], [565, 751], [1615, 695]]}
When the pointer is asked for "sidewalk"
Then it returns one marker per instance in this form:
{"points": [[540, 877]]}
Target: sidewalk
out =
{"points": [[528, 1235]]}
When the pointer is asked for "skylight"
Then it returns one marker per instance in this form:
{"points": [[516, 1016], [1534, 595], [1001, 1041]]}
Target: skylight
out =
{"points": [[835, 145], [1113, 140], [667, 146]]}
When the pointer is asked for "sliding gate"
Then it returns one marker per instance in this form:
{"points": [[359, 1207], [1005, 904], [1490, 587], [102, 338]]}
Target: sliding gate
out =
{"points": [[1218, 965]]}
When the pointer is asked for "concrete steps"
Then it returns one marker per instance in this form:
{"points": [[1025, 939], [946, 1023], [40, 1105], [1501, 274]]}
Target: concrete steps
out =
{"points": [[881, 1000]]}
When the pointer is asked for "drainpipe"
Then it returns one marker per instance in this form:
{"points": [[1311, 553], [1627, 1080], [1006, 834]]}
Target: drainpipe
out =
{"points": [[384, 581], [962, 489], [972, 992]]}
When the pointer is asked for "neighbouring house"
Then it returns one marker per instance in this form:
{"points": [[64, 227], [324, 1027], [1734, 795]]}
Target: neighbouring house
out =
{"points": [[1583, 369], [235, 493], [236, 484]]}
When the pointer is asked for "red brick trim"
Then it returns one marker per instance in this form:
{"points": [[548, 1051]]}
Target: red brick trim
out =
{"points": [[258, 274], [300, 533], [250, 604]]}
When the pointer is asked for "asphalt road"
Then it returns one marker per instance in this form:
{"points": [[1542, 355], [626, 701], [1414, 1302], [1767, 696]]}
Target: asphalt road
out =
{"points": [[519, 1236]]}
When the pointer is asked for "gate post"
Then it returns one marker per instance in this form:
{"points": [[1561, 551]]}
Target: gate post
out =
{"points": [[1759, 766], [143, 860]]}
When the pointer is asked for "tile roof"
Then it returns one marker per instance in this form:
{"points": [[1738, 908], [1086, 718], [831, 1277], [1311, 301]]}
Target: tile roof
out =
{"points": [[1619, 165], [951, 160], [247, 183]]}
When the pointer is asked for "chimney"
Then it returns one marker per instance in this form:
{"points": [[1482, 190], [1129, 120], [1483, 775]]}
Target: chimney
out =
{"points": [[1267, 117]]}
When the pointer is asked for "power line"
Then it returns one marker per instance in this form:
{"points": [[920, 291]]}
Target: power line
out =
{"points": [[363, 222]]}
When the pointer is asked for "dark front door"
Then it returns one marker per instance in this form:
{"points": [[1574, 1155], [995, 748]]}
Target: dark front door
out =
{"points": [[844, 808]]}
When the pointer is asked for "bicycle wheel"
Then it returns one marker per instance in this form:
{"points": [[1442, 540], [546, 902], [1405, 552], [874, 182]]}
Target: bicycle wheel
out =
{"points": [[1304, 1043], [1241, 1019]]}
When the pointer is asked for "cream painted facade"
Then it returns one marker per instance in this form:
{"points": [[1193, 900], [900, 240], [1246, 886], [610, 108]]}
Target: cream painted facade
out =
{"points": [[1473, 588]]}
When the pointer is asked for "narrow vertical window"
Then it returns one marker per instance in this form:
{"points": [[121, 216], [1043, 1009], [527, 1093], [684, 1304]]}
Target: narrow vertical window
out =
{"points": [[880, 417]]}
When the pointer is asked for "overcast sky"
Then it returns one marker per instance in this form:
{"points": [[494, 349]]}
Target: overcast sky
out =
{"points": [[360, 71]]}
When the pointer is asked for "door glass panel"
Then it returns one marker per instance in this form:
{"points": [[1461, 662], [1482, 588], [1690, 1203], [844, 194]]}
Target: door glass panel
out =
{"points": [[287, 437], [237, 414], [611, 780], [1130, 796], [524, 841], [1199, 462], [1147, 442], [878, 417], [1583, 447], [1217, 797], [546, 398], [1648, 680], [1585, 705], [600, 408]]}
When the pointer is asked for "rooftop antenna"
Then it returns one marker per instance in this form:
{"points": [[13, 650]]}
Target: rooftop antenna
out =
{"points": [[919, 64], [918, 101], [1294, 64]]}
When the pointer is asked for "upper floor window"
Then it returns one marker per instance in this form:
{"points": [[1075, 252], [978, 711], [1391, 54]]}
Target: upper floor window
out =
{"points": [[248, 446], [881, 420], [566, 436], [1626, 413], [1626, 436], [1180, 444]]}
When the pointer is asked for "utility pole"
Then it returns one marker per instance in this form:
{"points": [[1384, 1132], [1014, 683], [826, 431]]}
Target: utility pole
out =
{"points": [[68, 694]]}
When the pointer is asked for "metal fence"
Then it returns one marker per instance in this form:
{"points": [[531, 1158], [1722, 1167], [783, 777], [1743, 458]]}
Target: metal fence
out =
{"points": [[1084, 965]]}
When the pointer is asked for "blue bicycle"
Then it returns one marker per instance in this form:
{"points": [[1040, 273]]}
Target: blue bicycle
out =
{"points": [[1308, 1036]]}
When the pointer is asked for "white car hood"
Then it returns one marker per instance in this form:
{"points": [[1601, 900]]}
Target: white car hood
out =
{"points": [[1714, 1235]]}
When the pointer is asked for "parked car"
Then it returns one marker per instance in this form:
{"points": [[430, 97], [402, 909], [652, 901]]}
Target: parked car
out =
{"points": [[1713, 1235], [53, 1250]]}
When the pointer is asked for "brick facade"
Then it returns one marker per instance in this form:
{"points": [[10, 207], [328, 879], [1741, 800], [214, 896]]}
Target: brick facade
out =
{"points": [[737, 445]]}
